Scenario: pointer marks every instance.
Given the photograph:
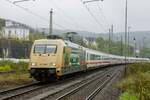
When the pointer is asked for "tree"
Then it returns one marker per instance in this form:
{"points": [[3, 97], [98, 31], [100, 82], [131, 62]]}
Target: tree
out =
{"points": [[35, 36], [145, 52], [115, 48], [2, 24]]}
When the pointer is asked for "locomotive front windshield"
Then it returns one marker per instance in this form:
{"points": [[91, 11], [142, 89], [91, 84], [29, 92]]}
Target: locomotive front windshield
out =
{"points": [[43, 49]]}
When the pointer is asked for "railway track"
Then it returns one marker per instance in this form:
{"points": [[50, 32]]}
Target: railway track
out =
{"points": [[7, 72], [71, 90], [12, 92], [77, 93], [98, 89], [61, 88], [54, 90], [28, 91]]}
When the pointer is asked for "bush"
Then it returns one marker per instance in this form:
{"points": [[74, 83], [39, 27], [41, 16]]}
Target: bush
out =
{"points": [[21, 75], [5, 68], [128, 96], [137, 81], [138, 68], [20, 67]]}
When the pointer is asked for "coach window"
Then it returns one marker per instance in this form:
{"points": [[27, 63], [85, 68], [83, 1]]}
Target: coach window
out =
{"points": [[86, 56], [98, 58]]}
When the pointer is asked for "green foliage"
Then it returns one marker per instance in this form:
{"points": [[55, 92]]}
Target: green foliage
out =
{"points": [[2, 23], [11, 80], [19, 68], [128, 96], [35, 36], [5, 68], [137, 81], [21, 75], [102, 45], [145, 52], [116, 48], [137, 68]]}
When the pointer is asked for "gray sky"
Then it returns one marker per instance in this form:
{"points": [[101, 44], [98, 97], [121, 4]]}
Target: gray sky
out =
{"points": [[72, 14]]}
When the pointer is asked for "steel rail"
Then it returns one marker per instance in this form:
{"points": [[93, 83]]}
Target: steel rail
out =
{"points": [[94, 93], [21, 93], [17, 88], [82, 86], [49, 93]]}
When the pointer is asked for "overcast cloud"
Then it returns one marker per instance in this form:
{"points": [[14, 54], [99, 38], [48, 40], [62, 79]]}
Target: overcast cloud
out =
{"points": [[72, 14]]}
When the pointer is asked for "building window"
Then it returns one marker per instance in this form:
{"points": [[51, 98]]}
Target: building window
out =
{"points": [[9, 34], [15, 34], [24, 34]]}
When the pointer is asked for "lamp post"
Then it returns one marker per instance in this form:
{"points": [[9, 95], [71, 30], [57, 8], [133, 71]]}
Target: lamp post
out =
{"points": [[134, 39], [129, 40]]}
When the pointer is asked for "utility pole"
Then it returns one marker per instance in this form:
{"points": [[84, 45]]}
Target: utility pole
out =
{"points": [[121, 46], [51, 22], [112, 31], [144, 44], [134, 46], [126, 23], [109, 41], [129, 40]]}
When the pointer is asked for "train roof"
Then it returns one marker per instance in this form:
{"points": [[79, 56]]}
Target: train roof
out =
{"points": [[91, 51]]}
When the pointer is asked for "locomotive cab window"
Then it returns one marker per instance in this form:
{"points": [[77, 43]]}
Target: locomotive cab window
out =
{"points": [[42, 49], [51, 49], [39, 49]]}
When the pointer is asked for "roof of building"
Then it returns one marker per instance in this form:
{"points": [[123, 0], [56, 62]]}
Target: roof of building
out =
{"points": [[16, 24], [17, 27]]}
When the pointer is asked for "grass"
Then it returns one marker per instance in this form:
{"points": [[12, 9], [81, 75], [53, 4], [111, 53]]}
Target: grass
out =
{"points": [[20, 67], [21, 75], [14, 79], [5, 68], [136, 83]]}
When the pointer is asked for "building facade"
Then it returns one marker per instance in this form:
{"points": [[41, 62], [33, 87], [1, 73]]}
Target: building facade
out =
{"points": [[15, 30]]}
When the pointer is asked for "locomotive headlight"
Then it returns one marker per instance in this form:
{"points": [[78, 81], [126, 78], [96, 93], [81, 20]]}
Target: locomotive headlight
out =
{"points": [[33, 64], [54, 64]]}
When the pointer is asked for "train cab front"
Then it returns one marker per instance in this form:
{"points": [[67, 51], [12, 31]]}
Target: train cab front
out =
{"points": [[45, 59]]}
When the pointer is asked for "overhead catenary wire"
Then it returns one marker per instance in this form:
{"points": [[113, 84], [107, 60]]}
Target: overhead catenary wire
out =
{"points": [[35, 14], [64, 19], [101, 12], [98, 15], [92, 15], [70, 19], [60, 26]]}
